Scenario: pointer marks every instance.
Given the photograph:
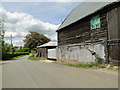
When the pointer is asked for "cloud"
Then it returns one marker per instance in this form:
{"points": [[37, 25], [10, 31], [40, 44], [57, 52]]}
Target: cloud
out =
{"points": [[58, 0], [42, 1], [19, 25]]}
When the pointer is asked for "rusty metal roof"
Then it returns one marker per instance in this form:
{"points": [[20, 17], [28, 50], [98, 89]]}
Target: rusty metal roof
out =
{"points": [[49, 44], [83, 10]]}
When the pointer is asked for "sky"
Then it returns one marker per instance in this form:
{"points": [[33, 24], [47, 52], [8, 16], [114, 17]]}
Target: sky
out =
{"points": [[43, 17]]}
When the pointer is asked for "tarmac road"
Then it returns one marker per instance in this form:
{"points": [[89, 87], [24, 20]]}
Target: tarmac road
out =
{"points": [[23, 73]]}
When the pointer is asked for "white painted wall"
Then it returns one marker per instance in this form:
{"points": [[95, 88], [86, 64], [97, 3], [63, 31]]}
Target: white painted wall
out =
{"points": [[82, 53]]}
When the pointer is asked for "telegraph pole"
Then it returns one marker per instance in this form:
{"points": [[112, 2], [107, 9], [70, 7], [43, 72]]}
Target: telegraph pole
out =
{"points": [[11, 45], [11, 39]]}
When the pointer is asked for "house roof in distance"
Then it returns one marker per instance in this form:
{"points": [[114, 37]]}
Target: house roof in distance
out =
{"points": [[49, 44], [83, 10]]}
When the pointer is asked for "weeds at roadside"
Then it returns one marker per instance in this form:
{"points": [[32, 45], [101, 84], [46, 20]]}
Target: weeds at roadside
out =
{"points": [[99, 60], [112, 67], [36, 58], [93, 65], [82, 65]]}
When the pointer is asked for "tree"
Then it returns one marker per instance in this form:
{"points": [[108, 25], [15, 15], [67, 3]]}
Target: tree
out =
{"points": [[35, 39], [22, 49], [4, 47], [2, 42]]}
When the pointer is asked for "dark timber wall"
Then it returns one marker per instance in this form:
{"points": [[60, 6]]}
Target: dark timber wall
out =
{"points": [[42, 52], [80, 32], [114, 35]]}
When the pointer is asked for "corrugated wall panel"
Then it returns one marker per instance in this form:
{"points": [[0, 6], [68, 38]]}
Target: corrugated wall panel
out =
{"points": [[52, 53]]}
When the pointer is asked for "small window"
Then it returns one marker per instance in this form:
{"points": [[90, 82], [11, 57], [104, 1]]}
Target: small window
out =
{"points": [[95, 22]]}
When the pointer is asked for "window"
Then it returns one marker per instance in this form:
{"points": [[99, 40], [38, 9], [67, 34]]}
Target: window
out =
{"points": [[95, 22]]}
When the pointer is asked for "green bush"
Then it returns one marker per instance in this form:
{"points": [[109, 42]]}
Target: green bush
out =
{"points": [[99, 60], [23, 50]]}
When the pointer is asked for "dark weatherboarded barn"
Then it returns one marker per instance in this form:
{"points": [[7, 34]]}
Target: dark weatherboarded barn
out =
{"points": [[91, 30], [47, 50]]}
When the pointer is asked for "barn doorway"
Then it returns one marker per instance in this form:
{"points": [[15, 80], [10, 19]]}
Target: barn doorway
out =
{"points": [[113, 17]]}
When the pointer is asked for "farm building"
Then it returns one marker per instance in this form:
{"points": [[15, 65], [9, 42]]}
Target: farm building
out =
{"points": [[91, 31], [47, 50]]}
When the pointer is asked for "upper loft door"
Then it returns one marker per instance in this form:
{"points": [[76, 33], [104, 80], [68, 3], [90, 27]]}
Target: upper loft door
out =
{"points": [[113, 24]]}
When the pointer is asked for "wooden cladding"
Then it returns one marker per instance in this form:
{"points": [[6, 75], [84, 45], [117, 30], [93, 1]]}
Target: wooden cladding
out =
{"points": [[112, 25], [113, 35], [81, 32]]}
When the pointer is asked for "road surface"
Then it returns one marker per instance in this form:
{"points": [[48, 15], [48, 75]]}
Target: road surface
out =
{"points": [[23, 73]]}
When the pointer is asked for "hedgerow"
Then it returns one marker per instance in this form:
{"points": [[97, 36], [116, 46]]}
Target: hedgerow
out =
{"points": [[10, 55]]}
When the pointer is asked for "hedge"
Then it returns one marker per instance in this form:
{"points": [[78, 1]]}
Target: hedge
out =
{"points": [[9, 55], [23, 50]]}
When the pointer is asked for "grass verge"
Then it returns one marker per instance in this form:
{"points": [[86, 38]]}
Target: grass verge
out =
{"points": [[36, 58], [92, 65], [82, 65], [18, 57], [85, 65], [12, 58]]}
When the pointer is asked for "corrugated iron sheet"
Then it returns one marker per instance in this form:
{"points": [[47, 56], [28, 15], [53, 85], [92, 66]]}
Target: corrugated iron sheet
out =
{"points": [[52, 53], [51, 43]]}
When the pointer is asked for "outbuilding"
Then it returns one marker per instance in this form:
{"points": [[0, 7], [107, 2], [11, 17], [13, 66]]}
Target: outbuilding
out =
{"points": [[91, 31], [47, 50]]}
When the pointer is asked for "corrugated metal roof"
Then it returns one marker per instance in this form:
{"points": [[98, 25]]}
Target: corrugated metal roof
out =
{"points": [[49, 44], [81, 11]]}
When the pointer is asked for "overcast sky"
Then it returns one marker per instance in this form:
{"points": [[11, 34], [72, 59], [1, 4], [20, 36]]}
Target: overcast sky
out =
{"points": [[42, 17]]}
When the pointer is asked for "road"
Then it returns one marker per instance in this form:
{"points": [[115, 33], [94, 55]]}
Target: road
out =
{"points": [[23, 73]]}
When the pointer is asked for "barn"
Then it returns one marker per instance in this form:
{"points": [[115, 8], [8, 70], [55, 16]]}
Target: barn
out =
{"points": [[47, 50], [91, 31]]}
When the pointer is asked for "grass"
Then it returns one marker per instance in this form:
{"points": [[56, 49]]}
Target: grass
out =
{"points": [[12, 58], [93, 65], [36, 58], [82, 65], [85, 65], [54, 62], [17, 57]]}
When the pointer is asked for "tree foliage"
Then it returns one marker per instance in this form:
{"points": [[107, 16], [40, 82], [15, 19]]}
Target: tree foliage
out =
{"points": [[22, 49], [8, 51], [35, 39], [3, 47]]}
